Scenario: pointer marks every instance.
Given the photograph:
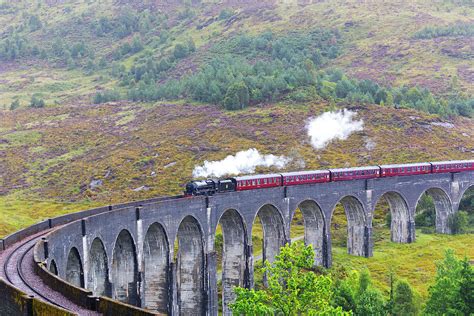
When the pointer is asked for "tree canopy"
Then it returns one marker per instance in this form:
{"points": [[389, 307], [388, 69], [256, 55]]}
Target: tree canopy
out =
{"points": [[293, 288]]}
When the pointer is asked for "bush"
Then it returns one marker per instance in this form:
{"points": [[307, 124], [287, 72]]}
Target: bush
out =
{"points": [[452, 292], [106, 96], [225, 14], [370, 302], [180, 51], [34, 23], [36, 102], [425, 212], [458, 222], [15, 105], [458, 29], [428, 230], [237, 96], [404, 300]]}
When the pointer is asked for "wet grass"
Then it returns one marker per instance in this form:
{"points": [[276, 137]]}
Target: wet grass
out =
{"points": [[414, 262], [17, 213]]}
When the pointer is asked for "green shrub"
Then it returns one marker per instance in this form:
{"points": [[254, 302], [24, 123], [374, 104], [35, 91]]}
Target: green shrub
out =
{"points": [[237, 96], [458, 222], [36, 101], [15, 104]]}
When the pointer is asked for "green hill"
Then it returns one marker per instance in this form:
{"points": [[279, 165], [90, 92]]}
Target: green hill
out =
{"points": [[67, 51], [104, 102]]}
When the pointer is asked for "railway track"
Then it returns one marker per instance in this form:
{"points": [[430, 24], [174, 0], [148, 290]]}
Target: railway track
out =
{"points": [[18, 270], [17, 265]]}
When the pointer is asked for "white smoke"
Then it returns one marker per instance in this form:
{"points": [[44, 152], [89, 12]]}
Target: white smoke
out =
{"points": [[332, 125], [242, 162]]}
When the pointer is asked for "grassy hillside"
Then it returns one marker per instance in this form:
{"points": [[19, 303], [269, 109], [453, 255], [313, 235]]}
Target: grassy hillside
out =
{"points": [[67, 51], [121, 151], [414, 262], [104, 102]]}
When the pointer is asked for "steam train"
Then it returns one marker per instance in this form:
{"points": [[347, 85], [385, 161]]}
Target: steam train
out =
{"points": [[252, 182]]}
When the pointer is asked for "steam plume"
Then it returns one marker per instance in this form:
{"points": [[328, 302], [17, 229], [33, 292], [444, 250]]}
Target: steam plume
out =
{"points": [[330, 126], [241, 163]]}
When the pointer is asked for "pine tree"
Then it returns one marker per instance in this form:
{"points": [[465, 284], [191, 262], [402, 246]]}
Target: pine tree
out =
{"points": [[237, 96], [466, 288], [403, 300]]}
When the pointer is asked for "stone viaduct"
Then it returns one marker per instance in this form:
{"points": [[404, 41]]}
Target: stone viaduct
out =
{"points": [[161, 255]]}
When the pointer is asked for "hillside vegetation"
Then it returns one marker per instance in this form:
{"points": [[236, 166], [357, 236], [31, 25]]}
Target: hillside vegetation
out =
{"points": [[105, 102], [282, 62], [415, 53]]}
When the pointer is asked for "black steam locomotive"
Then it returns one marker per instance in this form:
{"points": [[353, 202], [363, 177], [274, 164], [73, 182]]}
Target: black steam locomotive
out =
{"points": [[210, 187]]}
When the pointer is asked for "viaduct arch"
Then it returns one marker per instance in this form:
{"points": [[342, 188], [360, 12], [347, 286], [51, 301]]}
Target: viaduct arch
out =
{"points": [[128, 253]]}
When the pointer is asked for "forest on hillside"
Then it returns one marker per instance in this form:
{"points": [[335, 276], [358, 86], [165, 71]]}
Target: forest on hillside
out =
{"points": [[198, 52]]}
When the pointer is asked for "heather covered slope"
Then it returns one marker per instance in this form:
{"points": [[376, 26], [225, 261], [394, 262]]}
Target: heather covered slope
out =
{"points": [[121, 151]]}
